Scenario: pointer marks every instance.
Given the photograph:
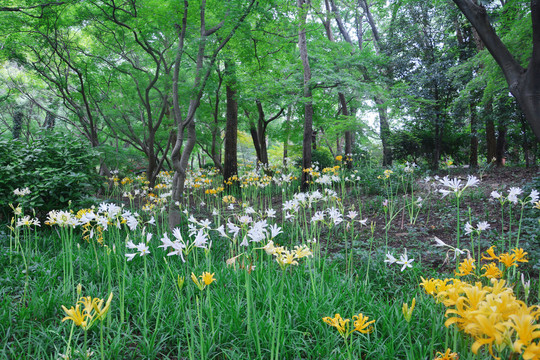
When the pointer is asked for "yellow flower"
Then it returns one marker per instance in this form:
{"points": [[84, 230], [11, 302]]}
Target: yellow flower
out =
{"points": [[342, 325], [508, 260], [492, 271], [448, 355], [361, 323], [207, 278], [537, 205], [407, 312], [75, 315], [466, 267], [532, 352], [339, 158], [302, 251], [519, 255], [430, 286], [491, 253], [101, 310], [199, 284], [525, 329], [88, 304]]}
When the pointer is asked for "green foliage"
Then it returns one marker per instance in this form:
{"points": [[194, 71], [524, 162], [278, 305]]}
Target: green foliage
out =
{"points": [[55, 167], [322, 157]]}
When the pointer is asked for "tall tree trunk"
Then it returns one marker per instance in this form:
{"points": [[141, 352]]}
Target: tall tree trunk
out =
{"points": [[525, 141], [384, 129], [491, 140], [231, 134], [308, 102], [473, 156], [501, 145], [286, 141]]}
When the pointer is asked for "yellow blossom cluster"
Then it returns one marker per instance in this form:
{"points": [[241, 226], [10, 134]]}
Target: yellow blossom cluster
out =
{"points": [[229, 199], [206, 279], [447, 355], [285, 257], [93, 309], [334, 170], [360, 323], [214, 191], [491, 270], [492, 315]]}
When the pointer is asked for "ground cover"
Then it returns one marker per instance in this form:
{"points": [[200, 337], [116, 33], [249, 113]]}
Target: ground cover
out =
{"points": [[262, 271]]}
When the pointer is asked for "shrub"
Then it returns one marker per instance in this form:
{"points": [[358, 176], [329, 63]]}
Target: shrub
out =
{"points": [[55, 167]]}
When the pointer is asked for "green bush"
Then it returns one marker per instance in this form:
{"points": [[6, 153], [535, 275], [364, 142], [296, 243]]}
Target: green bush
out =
{"points": [[322, 157], [55, 167]]}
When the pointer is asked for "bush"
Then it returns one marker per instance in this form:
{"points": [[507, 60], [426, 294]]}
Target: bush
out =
{"points": [[55, 167], [322, 157]]}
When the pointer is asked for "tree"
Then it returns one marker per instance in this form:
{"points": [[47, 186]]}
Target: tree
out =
{"points": [[523, 83], [308, 104]]}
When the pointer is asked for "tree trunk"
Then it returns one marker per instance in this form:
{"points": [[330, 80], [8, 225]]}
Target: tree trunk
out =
{"points": [[491, 140], [473, 156], [384, 129], [286, 141], [308, 103], [525, 141], [524, 84], [501, 145], [230, 164]]}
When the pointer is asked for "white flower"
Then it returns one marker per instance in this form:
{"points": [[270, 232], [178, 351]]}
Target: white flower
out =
{"points": [[534, 196], [390, 259], [352, 214], [221, 231], [439, 242], [166, 242], [177, 234], [405, 261], [318, 216], [472, 181], [271, 213], [130, 256], [275, 231], [482, 225], [468, 228], [495, 195], [201, 239], [21, 192], [205, 224], [513, 193], [143, 249], [215, 212]]}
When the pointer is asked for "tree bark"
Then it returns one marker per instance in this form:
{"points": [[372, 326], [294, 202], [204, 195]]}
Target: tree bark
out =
{"points": [[524, 84], [230, 165], [308, 102], [473, 155], [491, 140], [501, 145]]}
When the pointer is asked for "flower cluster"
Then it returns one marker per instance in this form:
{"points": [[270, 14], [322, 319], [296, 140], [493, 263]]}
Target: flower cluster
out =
{"points": [[403, 260], [492, 315], [286, 257], [206, 279], [360, 323], [93, 309]]}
